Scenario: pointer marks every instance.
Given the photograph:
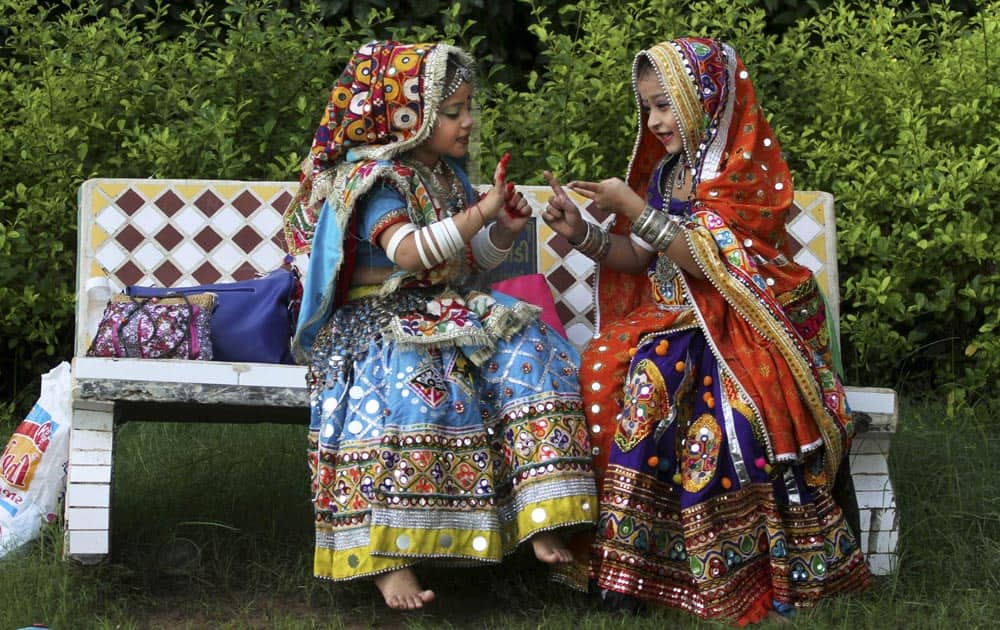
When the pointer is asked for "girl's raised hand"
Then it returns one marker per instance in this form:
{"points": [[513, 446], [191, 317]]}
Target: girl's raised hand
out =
{"points": [[611, 195], [516, 213], [561, 214]]}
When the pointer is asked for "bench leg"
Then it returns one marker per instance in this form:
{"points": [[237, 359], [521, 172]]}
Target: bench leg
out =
{"points": [[876, 500], [88, 482]]}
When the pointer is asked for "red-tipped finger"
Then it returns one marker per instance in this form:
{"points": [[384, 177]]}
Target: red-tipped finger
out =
{"points": [[516, 213], [514, 204], [502, 167], [510, 205]]}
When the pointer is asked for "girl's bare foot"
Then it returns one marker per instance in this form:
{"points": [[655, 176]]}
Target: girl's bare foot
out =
{"points": [[550, 549], [402, 591]]}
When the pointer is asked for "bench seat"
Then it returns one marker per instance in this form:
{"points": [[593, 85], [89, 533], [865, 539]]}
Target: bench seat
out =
{"points": [[178, 233]]}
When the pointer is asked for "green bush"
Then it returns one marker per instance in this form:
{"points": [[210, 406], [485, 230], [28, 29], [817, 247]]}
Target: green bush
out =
{"points": [[894, 112], [897, 113]]}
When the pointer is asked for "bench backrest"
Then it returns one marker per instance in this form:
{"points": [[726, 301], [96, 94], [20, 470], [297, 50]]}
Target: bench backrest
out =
{"points": [[175, 233]]}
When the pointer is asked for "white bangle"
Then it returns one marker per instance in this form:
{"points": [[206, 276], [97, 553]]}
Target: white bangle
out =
{"points": [[397, 238], [418, 239], [447, 237], [435, 244], [438, 242], [485, 251], [457, 242], [641, 243]]}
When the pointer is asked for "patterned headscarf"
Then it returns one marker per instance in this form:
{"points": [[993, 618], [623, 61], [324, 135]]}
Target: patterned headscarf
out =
{"points": [[384, 103], [738, 168]]}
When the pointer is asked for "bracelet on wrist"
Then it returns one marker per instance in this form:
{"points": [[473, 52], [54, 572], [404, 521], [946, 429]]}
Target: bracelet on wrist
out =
{"points": [[596, 243], [586, 235], [482, 217], [485, 252], [656, 228]]}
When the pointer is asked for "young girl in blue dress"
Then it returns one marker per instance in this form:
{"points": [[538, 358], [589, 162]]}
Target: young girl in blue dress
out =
{"points": [[446, 424]]}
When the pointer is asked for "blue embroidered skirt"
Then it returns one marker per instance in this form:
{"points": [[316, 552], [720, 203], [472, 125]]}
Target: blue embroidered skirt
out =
{"points": [[441, 449]]}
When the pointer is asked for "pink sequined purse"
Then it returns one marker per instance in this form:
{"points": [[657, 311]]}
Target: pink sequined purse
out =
{"points": [[174, 327]]}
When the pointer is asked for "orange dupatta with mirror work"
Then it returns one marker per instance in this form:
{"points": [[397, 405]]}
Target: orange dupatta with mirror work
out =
{"points": [[760, 310]]}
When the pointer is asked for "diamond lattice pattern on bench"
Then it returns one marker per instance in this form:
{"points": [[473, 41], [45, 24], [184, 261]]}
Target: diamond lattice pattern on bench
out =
{"points": [[176, 233]]}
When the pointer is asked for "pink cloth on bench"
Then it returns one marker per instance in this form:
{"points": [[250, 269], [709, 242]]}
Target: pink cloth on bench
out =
{"points": [[534, 289]]}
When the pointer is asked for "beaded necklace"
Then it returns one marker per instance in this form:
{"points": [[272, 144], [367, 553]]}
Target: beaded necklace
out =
{"points": [[445, 174], [674, 180], [442, 183]]}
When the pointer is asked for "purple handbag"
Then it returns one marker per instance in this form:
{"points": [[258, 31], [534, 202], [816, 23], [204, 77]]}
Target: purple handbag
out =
{"points": [[151, 328], [254, 319]]}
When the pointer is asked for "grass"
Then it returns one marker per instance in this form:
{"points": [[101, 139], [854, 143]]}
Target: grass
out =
{"points": [[212, 529]]}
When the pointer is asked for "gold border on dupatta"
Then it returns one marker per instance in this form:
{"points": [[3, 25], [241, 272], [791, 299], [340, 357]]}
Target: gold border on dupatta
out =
{"points": [[706, 253]]}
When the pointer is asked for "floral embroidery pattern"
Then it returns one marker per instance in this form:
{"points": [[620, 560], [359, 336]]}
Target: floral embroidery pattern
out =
{"points": [[701, 452], [645, 404]]}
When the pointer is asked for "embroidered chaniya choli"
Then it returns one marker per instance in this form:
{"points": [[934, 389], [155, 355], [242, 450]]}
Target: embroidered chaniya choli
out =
{"points": [[720, 423], [446, 424]]}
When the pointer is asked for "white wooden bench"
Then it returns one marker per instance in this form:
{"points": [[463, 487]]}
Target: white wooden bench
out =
{"points": [[183, 232]]}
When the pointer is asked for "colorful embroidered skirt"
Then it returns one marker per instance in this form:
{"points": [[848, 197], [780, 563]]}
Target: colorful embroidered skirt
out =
{"points": [[418, 453], [692, 515]]}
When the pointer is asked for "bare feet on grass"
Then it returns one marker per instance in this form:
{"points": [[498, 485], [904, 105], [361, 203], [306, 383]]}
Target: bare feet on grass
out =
{"points": [[550, 549], [402, 591]]}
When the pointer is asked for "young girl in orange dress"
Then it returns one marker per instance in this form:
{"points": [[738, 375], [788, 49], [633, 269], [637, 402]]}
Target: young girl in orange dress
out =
{"points": [[720, 423]]}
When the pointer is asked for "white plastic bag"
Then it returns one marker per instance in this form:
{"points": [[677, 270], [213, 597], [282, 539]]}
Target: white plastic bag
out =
{"points": [[33, 465]]}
